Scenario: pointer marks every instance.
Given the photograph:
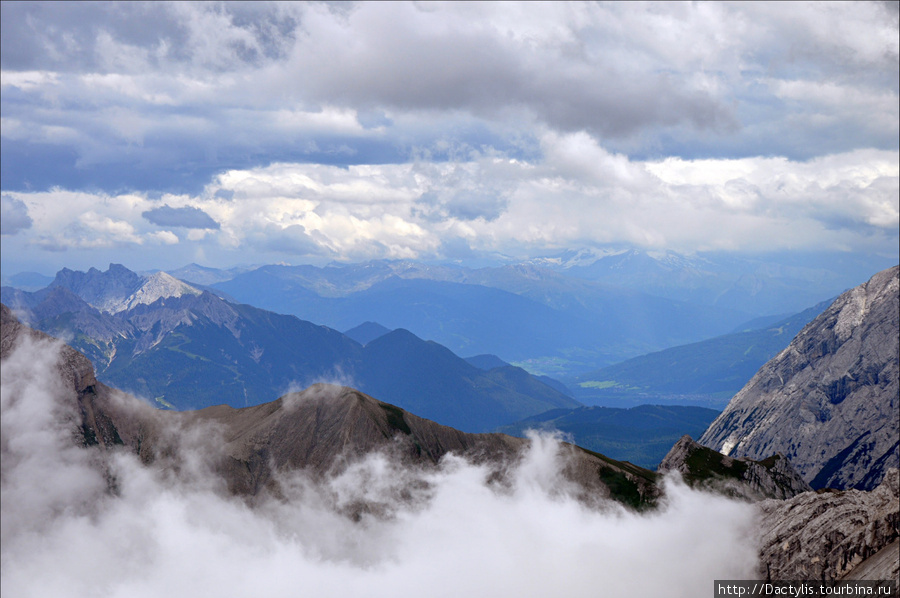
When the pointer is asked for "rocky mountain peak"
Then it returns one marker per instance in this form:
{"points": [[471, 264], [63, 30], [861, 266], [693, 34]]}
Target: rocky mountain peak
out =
{"points": [[103, 290], [829, 401], [156, 286], [119, 289]]}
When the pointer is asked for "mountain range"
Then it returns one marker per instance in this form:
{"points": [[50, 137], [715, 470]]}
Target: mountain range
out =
{"points": [[192, 349], [523, 313], [828, 535], [327, 428]]}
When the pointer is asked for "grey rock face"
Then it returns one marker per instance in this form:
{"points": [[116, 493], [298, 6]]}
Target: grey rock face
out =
{"points": [[755, 480], [829, 402], [832, 534]]}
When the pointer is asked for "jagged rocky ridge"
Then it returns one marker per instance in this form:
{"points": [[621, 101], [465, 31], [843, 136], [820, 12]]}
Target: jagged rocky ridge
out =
{"points": [[119, 289], [703, 467], [829, 402]]}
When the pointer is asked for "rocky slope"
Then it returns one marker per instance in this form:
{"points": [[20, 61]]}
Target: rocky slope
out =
{"points": [[700, 466], [829, 402], [833, 534]]}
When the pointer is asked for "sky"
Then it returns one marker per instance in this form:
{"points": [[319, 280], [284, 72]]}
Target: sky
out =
{"points": [[159, 134], [443, 532]]}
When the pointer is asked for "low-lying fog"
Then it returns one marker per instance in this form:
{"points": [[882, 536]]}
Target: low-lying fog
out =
{"points": [[443, 532]]}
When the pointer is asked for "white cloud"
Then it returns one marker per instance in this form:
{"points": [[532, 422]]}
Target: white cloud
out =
{"points": [[578, 194], [165, 237]]}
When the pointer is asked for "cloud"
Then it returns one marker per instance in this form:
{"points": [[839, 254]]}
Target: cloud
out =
{"points": [[577, 194], [179, 92], [369, 130], [186, 217], [13, 215], [439, 532]]}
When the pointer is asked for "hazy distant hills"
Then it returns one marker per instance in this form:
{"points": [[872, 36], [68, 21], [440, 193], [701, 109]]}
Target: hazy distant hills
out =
{"points": [[521, 313], [367, 332], [561, 315], [641, 435], [706, 373], [427, 378], [195, 350], [829, 402], [778, 283]]}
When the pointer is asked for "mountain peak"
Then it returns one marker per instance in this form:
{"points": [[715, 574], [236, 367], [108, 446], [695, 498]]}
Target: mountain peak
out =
{"points": [[828, 401], [156, 286], [367, 332], [119, 289]]}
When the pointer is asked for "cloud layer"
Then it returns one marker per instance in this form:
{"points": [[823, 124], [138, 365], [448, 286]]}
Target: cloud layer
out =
{"points": [[398, 129], [444, 532], [491, 205]]}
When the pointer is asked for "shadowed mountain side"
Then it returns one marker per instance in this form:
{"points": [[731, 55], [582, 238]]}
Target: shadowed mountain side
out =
{"points": [[469, 398], [829, 401], [489, 362], [200, 351], [486, 361], [314, 430]]}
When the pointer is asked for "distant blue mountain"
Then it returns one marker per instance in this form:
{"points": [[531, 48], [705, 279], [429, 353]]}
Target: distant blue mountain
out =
{"points": [[486, 361], [197, 350], [27, 281], [367, 332], [761, 285], [705, 373], [522, 314]]}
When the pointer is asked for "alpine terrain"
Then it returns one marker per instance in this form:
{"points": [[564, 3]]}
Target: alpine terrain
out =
{"points": [[829, 401]]}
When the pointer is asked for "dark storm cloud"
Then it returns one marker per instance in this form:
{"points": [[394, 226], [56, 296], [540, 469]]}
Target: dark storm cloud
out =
{"points": [[164, 95], [63, 36], [368, 62], [187, 217], [13, 215]]}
